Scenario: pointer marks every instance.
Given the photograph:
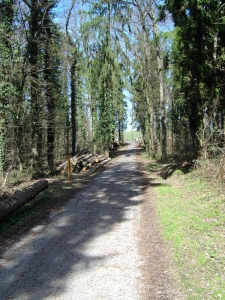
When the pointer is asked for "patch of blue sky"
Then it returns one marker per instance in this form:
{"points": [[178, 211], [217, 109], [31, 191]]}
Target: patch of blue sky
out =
{"points": [[130, 123]]}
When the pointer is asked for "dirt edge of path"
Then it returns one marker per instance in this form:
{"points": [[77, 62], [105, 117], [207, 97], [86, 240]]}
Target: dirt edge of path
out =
{"points": [[160, 275]]}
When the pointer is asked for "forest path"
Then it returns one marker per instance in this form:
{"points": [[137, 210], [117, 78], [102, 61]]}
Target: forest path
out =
{"points": [[104, 244]]}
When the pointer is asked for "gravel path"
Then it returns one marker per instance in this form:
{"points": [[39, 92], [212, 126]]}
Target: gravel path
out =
{"points": [[91, 249]]}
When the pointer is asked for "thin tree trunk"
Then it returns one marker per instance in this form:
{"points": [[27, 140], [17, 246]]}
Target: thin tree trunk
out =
{"points": [[73, 105]]}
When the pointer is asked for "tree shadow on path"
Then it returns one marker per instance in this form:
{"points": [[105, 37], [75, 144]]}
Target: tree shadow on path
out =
{"points": [[38, 266]]}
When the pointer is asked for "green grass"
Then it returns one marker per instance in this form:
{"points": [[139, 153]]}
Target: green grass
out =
{"points": [[152, 167], [192, 215], [34, 208], [131, 135]]}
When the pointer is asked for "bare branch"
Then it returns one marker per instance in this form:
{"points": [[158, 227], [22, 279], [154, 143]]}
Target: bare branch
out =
{"points": [[27, 3], [67, 22]]}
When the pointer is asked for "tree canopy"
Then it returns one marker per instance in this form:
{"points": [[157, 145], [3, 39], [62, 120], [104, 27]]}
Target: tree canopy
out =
{"points": [[64, 74]]}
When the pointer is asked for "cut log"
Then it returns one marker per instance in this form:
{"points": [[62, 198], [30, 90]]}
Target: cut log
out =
{"points": [[84, 151], [76, 159], [63, 171], [99, 165], [80, 160], [73, 159], [99, 158], [84, 163], [64, 165], [92, 159], [61, 166], [14, 202]]}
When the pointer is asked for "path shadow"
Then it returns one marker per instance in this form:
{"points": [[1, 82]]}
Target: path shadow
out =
{"points": [[62, 248]]}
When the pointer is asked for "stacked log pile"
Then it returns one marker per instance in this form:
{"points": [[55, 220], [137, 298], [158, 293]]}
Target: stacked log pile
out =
{"points": [[83, 161]]}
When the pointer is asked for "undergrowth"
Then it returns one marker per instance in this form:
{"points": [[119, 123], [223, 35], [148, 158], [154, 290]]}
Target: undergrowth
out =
{"points": [[192, 214]]}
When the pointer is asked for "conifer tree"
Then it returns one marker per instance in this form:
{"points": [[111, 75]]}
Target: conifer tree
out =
{"points": [[195, 62], [107, 19]]}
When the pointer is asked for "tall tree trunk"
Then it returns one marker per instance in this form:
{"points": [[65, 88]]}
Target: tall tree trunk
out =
{"points": [[161, 87], [73, 105], [33, 49], [49, 88], [7, 16], [147, 79], [94, 123], [73, 82], [119, 132]]}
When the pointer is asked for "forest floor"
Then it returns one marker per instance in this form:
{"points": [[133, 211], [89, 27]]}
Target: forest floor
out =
{"points": [[95, 236]]}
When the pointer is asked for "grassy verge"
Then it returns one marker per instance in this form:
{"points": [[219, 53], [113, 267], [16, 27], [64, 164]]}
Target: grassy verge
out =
{"points": [[51, 199], [192, 215]]}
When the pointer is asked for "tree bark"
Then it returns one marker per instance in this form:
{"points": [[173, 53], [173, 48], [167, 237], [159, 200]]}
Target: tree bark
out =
{"points": [[16, 201], [100, 158], [33, 49], [105, 161], [80, 160], [161, 87]]}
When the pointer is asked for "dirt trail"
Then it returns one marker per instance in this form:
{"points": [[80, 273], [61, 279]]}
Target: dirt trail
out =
{"points": [[104, 244]]}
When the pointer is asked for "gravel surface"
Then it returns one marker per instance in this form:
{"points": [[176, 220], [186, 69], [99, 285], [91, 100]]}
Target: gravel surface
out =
{"points": [[96, 247]]}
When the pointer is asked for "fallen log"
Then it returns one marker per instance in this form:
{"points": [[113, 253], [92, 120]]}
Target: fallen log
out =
{"points": [[17, 200]]}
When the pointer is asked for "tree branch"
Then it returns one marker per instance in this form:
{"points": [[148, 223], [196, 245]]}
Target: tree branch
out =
{"points": [[27, 3], [67, 23]]}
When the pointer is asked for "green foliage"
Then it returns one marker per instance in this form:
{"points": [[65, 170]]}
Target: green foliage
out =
{"points": [[107, 50], [7, 90], [105, 73], [195, 62]]}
